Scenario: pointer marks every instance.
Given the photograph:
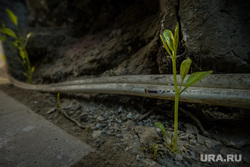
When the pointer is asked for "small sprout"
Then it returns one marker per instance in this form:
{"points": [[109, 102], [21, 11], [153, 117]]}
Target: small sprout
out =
{"points": [[170, 43], [87, 128], [18, 42], [155, 149]]}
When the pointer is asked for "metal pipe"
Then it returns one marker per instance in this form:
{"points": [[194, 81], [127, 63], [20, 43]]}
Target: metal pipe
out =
{"points": [[233, 81], [215, 96]]}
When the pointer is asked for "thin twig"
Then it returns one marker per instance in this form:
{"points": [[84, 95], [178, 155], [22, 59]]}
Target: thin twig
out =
{"points": [[145, 115], [73, 120], [192, 116]]}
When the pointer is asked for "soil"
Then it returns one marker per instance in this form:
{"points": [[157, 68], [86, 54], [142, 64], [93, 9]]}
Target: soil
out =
{"points": [[124, 147]]}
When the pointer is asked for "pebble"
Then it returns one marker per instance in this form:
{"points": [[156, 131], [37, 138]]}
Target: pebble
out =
{"points": [[191, 129], [98, 126], [84, 117], [96, 133], [192, 141], [147, 135], [130, 116], [100, 118], [178, 157], [166, 162]]}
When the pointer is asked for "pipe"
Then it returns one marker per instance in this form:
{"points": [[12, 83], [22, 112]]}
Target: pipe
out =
{"points": [[215, 96], [232, 81]]}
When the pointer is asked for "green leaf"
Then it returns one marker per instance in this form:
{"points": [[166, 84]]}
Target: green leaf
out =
{"points": [[168, 35], [15, 43], [195, 77], [165, 45], [32, 69], [22, 54], [2, 38], [176, 37], [12, 16], [161, 126], [8, 31], [25, 74], [185, 65]]}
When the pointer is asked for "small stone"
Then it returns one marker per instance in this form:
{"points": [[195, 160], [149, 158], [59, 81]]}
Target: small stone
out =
{"points": [[201, 139], [147, 135], [166, 162], [98, 126], [246, 158], [118, 135], [104, 131], [136, 137], [152, 117], [192, 153], [130, 125], [96, 133], [184, 136], [119, 121], [158, 130], [84, 117], [178, 157], [100, 118], [191, 129], [192, 141], [130, 116], [137, 116], [140, 123]]}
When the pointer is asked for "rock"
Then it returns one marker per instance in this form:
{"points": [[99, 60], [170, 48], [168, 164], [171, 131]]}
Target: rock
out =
{"points": [[84, 117], [246, 158], [184, 136], [193, 142], [191, 129], [166, 162], [215, 16], [201, 139], [211, 144], [100, 118], [130, 116], [130, 125], [98, 126], [118, 135], [178, 157], [147, 135], [96, 134]]}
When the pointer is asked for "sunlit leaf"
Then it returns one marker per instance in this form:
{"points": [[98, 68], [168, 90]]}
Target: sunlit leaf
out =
{"points": [[176, 37], [15, 43], [32, 69], [2, 38], [8, 31], [165, 45], [168, 35], [12, 16], [195, 77], [161, 126], [185, 65], [22, 54]]}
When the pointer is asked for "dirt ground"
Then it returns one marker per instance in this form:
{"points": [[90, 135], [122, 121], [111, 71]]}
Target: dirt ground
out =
{"points": [[124, 147]]}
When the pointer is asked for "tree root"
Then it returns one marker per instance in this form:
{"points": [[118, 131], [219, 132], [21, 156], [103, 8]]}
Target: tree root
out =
{"points": [[193, 117]]}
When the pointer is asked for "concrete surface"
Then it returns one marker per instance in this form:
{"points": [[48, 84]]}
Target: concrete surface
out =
{"points": [[28, 140]]}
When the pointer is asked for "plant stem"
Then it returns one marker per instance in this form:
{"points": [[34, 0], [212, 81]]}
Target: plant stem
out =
{"points": [[177, 95]]}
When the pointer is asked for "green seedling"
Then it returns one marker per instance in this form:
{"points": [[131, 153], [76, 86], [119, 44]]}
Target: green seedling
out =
{"points": [[170, 43], [58, 102], [155, 149], [18, 45]]}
